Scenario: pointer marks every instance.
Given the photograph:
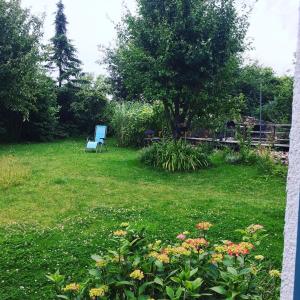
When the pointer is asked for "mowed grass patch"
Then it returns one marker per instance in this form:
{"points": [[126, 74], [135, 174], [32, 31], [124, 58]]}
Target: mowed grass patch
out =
{"points": [[71, 200]]}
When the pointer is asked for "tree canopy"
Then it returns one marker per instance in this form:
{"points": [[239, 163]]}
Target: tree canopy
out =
{"points": [[181, 52], [19, 65]]}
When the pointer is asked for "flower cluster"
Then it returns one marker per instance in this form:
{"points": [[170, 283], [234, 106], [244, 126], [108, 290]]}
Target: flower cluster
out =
{"points": [[162, 257], [72, 287], [196, 243], [180, 250], [203, 225], [120, 233], [137, 274], [101, 263], [98, 292], [140, 269], [242, 248], [275, 273], [254, 228]]}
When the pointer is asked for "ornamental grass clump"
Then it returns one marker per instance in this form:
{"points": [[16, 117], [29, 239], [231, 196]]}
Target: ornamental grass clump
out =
{"points": [[192, 267], [175, 156]]}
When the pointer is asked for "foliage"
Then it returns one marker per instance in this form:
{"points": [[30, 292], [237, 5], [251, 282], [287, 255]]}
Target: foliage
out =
{"points": [[130, 120], [260, 157], [183, 52], [70, 201], [279, 110], [89, 103], [63, 55], [42, 122], [277, 93], [194, 267], [19, 66], [269, 165], [175, 155]]}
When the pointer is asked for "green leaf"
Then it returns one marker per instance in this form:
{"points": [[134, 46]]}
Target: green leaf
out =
{"points": [[179, 292], [197, 283], [120, 283], [170, 292], [219, 289], [193, 272], [245, 271], [158, 281], [143, 287], [129, 294], [95, 273], [232, 270], [159, 265]]}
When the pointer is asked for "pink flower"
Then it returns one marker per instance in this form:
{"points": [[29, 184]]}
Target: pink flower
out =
{"points": [[181, 236]]}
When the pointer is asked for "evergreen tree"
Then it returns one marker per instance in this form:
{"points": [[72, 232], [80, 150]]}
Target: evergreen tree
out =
{"points": [[63, 55]]}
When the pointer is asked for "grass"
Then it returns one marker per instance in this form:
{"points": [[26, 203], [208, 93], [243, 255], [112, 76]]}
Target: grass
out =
{"points": [[64, 207]]}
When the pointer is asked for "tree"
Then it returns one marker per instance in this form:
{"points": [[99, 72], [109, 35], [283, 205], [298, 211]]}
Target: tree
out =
{"points": [[63, 55], [277, 93], [279, 110], [181, 52], [19, 65], [250, 80], [43, 119], [89, 103]]}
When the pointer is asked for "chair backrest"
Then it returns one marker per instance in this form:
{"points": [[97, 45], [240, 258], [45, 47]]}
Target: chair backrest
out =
{"points": [[100, 133]]}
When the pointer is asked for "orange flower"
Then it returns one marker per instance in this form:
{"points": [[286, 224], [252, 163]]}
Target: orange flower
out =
{"points": [[239, 249], [197, 243], [204, 225], [120, 233]]}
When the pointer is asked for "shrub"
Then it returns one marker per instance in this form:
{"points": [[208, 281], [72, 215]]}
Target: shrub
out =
{"points": [[172, 155], [191, 268], [261, 157], [130, 120], [270, 165]]}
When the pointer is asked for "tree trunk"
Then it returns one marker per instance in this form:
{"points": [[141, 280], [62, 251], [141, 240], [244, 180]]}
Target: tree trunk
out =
{"points": [[292, 209]]}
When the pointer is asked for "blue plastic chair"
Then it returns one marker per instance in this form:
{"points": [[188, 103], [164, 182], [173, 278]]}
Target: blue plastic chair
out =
{"points": [[99, 140]]}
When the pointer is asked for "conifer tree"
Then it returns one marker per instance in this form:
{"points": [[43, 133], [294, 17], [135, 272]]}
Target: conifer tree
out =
{"points": [[64, 55]]}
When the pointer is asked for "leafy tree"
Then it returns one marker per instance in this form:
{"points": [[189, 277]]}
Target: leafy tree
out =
{"points": [[181, 52], [63, 56], [251, 79], [277, 93], [89, 103], [279, 110], [19, 65], [42, 123]]}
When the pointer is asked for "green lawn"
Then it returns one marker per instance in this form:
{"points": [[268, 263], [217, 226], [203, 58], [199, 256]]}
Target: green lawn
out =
{"points": [[66, 202]]}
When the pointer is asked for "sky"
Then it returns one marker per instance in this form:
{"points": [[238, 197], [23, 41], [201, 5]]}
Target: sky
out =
{"points": [[273, 29]]}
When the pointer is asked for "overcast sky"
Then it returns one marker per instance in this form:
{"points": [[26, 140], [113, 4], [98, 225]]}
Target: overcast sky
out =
{"points": [[273, 29]]}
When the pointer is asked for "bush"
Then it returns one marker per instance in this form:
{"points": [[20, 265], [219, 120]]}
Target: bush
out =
{"points": [[262, 157], [192, 268], [130, 120], [269, 165], [175, 156]]}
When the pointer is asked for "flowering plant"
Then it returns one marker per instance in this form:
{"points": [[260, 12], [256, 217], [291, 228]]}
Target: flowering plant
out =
{"points": [[193, 267]]}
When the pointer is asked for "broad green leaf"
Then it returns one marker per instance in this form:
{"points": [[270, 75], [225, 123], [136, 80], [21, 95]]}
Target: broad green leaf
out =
{"points": [[219, 289], [170, 292]]}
